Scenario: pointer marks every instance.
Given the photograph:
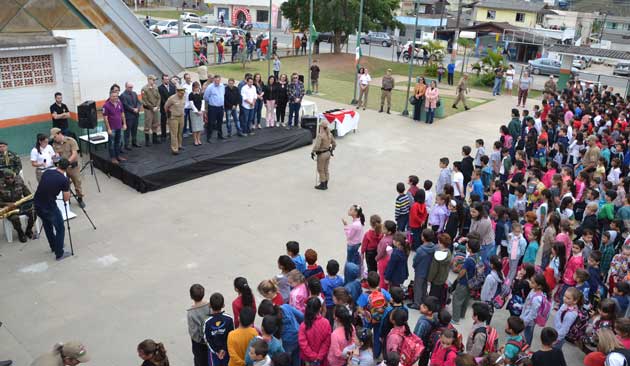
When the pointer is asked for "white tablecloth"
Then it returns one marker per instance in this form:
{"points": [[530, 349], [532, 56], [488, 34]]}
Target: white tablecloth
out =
{"points": [[343, 121]]}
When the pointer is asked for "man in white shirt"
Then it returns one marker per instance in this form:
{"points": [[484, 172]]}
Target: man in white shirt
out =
{"points": [[364, 89], [458, 181], [187, 84], [248, 95]]}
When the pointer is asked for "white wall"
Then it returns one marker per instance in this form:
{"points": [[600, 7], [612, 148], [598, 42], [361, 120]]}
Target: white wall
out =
{"points": [[32, 100], [96, 63]]}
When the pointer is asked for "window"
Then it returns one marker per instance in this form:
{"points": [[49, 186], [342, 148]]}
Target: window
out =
{"points": [[262, 16], [611, 25], [492, 14], [520, 17], [16, 72]]}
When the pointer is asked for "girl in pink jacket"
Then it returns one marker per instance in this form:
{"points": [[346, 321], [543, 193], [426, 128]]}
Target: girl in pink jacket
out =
{"points": [[384, 250], [395, 338], [445, 351], [341, 337], [299, 294], [431, 95], [314, 335]]}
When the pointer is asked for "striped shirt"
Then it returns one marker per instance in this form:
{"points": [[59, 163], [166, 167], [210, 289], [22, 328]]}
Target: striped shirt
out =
{"points": [[403, 204]]}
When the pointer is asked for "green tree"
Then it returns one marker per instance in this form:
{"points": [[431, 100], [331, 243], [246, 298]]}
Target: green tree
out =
{"points": [[341, 17], [435, 50], [466, 43]]}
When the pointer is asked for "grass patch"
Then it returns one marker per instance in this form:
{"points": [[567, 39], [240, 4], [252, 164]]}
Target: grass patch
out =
{"points": [[167, 14], [336, 82]]}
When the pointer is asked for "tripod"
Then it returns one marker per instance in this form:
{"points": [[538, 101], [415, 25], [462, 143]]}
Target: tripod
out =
{"points": [[90, 163], [82, 209]]}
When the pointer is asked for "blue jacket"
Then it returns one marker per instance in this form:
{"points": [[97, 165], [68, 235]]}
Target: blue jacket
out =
{"points": [[422, 260], [351, 273], [396, 271], [275, 346], [300, 262], [328, 285], [291, 320]]}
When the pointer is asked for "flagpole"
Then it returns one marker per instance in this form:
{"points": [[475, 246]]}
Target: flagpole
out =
{"points": [[405, 112], [310, 46], [270, 44], [356, 71]]}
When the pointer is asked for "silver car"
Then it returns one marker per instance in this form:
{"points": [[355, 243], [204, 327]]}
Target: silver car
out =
{"points": [[381, 38], [547, 66]]}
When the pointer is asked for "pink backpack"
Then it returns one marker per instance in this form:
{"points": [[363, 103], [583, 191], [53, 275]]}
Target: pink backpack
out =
{"points": [[543, 311]]}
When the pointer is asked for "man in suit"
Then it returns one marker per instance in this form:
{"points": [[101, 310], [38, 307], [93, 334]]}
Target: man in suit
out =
{"points": [[166, 90], [131, 105]]}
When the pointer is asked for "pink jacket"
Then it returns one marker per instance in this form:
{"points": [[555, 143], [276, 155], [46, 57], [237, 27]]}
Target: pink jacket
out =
{"points": [[315, 341], [575, 262], [338, 342], [431, 97], [298, 297], [568, 243], [395, 339], [442, 357]]}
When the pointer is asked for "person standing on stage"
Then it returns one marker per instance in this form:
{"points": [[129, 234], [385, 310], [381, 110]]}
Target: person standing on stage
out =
{"points": [[42, 155], [150, 103], [323, 148], [60, 114], [9, 159], [187, 84], [53, 182], [131, 104], [67, 148], [215, 97], [196, 115], [115, 123], [248, 96], [166, 90], [296, 93], [174, 108], [12, 189], [270, 93], [282, 98], [232, 100]]}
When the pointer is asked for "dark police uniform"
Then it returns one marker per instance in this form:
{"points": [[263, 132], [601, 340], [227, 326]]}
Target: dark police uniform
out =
{"points": [[45, 198]]}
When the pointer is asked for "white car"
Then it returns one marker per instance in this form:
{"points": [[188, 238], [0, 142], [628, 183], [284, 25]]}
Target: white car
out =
{"points": [[165, 27], [190, 17], [205, 33], [191, 29], [205, 18]]}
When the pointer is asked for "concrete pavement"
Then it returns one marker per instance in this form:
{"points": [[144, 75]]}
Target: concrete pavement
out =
{"points": [[129, 278]]}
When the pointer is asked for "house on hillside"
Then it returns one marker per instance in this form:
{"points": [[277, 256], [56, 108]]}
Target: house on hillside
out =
{"points": [[617, 31], [255, 12], [514, 12], [424, 7]]}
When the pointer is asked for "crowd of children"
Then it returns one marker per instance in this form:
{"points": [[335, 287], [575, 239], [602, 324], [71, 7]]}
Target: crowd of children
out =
{"points": [[535, 226]]}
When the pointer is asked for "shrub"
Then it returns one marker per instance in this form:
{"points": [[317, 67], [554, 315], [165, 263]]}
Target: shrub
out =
{"points": [[431, 70]]}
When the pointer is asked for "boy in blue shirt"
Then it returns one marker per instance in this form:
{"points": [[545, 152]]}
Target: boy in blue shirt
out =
{"points": [[514, 343], [476, 186], [487, 174], [426, 323], [367, 303], [293, 251], [329, 283], [450, 69]]}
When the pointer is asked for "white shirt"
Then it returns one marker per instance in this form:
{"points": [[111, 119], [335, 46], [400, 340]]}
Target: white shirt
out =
{"points": [[365, 79], [538, 125], [188, 87], [46, 155], [509, 74], [248, 93], [458, 178]]}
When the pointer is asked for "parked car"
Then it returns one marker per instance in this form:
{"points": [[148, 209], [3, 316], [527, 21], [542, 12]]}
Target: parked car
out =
{"points": [[579, 63], [226, 33], [622, 69], [191, 29], [205, 18], [547, 66], [587, 60], [190, 17], [329, 36], [205, 33], [381, 38], [165, 27]]}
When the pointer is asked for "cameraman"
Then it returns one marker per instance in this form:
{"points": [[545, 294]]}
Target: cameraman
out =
{"points": [[53, 182]]}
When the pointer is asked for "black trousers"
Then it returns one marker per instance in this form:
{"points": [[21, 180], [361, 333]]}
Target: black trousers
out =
{"points": [[281, 109], [370, 259], [163, 119], [200, 353], [439, 291], [450, 79]]}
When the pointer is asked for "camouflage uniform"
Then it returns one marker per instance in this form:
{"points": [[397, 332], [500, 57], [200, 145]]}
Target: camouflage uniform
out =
{"points": [[10, 160], [11, 192]]}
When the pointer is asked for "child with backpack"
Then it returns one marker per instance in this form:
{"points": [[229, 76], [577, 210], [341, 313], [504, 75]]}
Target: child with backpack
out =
{"points": [[483, 339], [516, 248], [547, 355], [445, 351], [402, 341], [398, 296], [360, 353], [520, 289], [516, 348], [369, 244], [605, 318], [461, 294], [493, 285], [537, 306], [421, 265], [581, 277], [440, 268], [384, 250], [397, 272], [371, 307], [426, 323], [575, 262], [443, 323], [567, 315]]}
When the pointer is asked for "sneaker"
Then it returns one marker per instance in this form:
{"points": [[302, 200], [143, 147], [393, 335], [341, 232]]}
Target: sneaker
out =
{"points": [[122, 158], [64, 256], [80, 201]]}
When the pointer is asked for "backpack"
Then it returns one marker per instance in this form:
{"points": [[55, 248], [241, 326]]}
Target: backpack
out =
{"points": [[624, 352], [507, 141], [515, 305], [410, 349], [578, 329], [492, 339], [523, 351], [458, 261], [376, 307], [477, 280], [543, 312], [504, 290], [436, 333]]}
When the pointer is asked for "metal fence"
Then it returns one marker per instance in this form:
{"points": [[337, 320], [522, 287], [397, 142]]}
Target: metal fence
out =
{"points": [[620, 84]]}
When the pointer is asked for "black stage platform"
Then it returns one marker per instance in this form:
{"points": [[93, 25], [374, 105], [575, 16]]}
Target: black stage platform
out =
{"points": [[152, 168]]}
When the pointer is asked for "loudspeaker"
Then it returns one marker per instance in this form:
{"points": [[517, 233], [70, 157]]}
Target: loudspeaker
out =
{"points": [[310, 123], [301, 78], [87, 115]]}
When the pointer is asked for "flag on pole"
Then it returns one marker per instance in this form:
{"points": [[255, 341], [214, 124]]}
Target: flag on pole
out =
{"points": [[357, 57], [313, 33]]}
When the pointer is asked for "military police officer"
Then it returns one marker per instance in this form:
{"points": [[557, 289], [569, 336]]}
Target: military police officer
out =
{"points": [[322, 149], [67, 148], [9, 159], [174, 107], [12, 189]]}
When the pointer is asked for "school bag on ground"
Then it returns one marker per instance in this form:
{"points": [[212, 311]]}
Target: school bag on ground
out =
{"points": [[410, 349], [543, 311], [578, 329], [375, 307], [492, 339]]}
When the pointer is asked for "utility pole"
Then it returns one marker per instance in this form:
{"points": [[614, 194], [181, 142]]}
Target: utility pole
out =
{"points": [[601, 31], [456, 36], [405, 112], [270, 44], [310, 46], [356, 72]]}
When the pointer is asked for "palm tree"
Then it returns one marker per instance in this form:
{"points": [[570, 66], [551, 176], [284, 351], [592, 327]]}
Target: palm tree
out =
{"points": [[466, 43], [435, 50]]}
